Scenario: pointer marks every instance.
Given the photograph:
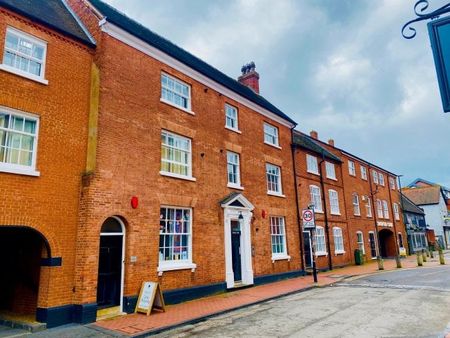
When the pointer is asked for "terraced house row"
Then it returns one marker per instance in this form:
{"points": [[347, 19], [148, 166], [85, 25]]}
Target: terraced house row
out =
{"points": [[124, 158]]}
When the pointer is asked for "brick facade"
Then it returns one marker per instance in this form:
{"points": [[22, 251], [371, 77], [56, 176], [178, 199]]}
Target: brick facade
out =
{"points": [[47, 203]]}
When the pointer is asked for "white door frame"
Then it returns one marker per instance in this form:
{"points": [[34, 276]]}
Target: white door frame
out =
{"points": [[122, 269], [232, 213]]}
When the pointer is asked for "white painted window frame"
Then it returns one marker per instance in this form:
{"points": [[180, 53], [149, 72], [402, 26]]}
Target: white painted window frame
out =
{"points": [[274, 135], [338, 239], [312, 165], [319, 251], [330, 170], [235, 185], [314, 191], [17, 168], [355, 203], [32, 39], [284, 254], [189, 164], [369, 207], [392, 183], [379, 208], [171, 265], [363, 172], [361, 245], [187, 109], [229, 107], [381, 179], [375, 177], [278, 193], [334, 202], [385, 209], [351, 168]]}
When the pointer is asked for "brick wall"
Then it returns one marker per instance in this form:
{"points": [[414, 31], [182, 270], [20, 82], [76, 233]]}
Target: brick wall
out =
{"points": [[49, 203]]}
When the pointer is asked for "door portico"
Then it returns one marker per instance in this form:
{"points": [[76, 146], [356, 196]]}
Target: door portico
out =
{"points": [[238, 209]]}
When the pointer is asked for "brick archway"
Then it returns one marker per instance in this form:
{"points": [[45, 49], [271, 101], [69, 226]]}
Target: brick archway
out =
{"points": [[387, 243]]}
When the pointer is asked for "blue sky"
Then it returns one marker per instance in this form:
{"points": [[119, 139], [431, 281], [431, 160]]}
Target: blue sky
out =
{"points": [[340, 67]]}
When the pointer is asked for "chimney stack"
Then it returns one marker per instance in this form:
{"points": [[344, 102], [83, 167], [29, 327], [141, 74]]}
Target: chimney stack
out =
{"points": [[331, 142], [314, 134], [250, 77]]}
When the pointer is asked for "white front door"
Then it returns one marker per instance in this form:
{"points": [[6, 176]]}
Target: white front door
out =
{"points": [[238, 248]]}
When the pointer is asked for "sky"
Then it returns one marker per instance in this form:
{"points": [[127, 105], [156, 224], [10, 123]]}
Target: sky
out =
{"points": [[340, 67]]}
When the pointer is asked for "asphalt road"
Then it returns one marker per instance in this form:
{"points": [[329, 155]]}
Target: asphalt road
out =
{"points": [[403, 303]]}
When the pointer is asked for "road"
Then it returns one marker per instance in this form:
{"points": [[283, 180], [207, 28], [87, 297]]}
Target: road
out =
{"points": [[403, 303]]}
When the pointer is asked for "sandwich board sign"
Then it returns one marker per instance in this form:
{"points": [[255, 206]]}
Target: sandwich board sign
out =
{"points": [[308, 219], [150, 297]]}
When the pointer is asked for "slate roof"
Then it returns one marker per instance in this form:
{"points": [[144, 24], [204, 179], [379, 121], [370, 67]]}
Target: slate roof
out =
{"points": [[409, 206], [306, 142], [423, 195], [50, 13], [121, 20]]}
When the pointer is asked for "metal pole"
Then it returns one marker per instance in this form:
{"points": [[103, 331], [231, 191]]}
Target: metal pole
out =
{"points": [[314, 255]]}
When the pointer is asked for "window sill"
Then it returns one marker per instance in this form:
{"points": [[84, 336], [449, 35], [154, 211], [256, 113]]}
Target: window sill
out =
{"points": [[176, 266], [235, 130], [276, 194], [19, 171], [313, 172], [357, 215], [336, 253], [23, 74], [332, 178], [178, 107], [335, 213], [318, 211], [321, 253], [280, 258], [233, 186], [181, 177], [273, 145]]}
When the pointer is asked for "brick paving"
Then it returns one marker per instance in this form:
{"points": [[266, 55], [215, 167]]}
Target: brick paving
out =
{"points": [[139, 324]]}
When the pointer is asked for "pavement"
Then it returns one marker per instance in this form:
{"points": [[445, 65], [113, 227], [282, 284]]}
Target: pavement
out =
{"points": [[139, 325]]}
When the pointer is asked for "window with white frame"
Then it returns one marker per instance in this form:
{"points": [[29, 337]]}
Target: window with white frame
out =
{"points": [[368, 207], [278, 236], [273, 173], [360, 241], [363, 173], [385, 209], [379, 209], [396, 212], [271, 134], [355, 201], [334, 202], [234, 177], [392, 183], [330, 170], [338, 240], [321, 248], [175, 91], [24, 54], [175, 154], [381, 179], [351, 168], [316, 199], [375, 176], [311, 164], [231, 117], [18, 141], [175, 242]]}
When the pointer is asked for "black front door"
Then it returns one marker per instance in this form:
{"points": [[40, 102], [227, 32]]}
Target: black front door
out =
{"points": [[109, 271], [236, 249], [307, 246], [373, 250]]}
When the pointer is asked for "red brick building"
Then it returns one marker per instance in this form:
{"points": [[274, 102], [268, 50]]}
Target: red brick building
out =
{"points": [[355, 203], [193, 184], [45, 79]]}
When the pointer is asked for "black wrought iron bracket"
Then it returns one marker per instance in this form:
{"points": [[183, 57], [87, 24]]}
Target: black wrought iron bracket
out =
{"points": [[421, 10]]}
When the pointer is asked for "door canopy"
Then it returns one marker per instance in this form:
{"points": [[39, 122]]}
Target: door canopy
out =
{"points": [[236, 200]]}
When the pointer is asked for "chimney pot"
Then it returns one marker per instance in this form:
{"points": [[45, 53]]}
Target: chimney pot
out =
{"points": [[314, 134], [331, 142], [250, 77]]}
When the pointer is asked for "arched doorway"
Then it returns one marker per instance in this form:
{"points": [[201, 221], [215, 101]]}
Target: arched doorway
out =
{"points": [[21, 252], [387, 243], [110, 266]]}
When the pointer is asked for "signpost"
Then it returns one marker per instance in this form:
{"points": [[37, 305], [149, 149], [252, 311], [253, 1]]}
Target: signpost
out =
{"points": [[309, 224]]}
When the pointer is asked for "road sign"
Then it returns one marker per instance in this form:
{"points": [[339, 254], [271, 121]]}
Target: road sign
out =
{"points": [[308, 219]]}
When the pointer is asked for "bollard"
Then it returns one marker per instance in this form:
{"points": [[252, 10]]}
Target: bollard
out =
{"points": [[431, 253], [428, 252], [424, 256], [398, 261], [380, 263], [441, 257], [419, 259]]}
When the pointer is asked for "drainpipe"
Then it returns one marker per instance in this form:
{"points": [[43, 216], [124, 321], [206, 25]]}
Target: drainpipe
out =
{"points": [[403, 215], [327, 231], [300, 230]]}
